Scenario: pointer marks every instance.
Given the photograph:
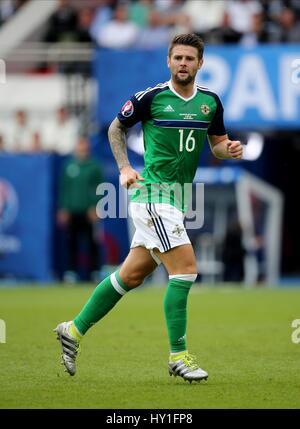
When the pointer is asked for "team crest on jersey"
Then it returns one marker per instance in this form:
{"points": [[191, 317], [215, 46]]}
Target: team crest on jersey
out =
{"points": [[205, 109], [127, 109]]}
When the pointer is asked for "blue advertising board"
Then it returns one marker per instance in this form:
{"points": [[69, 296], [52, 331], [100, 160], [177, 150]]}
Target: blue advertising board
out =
{"points": [[25, 217], [259, 86]]}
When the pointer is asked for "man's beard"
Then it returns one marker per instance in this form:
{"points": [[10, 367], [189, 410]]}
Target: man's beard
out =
{"points": [[185, 81]]}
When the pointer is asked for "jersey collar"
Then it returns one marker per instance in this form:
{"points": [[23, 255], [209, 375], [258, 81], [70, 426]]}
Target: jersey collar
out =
{"points": [[180, 96]]}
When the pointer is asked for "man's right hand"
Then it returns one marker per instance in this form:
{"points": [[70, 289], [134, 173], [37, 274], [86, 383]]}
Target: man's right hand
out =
{"points": [[129, 177]]}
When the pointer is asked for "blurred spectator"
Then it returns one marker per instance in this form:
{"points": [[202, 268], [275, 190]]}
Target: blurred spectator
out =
{"points": [[233, 253], [23, 138], [294, 5], [19, 134], [85, 19], [36, 144], [176, 17], [60, 134], [62, 24], [104, 14], [224, 34], [155, 34], [77, 209], [139, 11], [240, 14], [119, 32], [273, 8], [287, 29], [257, 34], [205, 15]]}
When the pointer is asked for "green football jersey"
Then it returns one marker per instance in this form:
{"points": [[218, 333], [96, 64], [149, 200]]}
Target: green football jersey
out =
{"points": [[174, 130]]}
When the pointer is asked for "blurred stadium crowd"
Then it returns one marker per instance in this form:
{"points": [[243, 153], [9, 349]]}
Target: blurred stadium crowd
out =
{"points": [[141, 24], [57, 135], [150, 23]]}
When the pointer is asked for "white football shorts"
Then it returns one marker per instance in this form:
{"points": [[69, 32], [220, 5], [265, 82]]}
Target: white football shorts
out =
{"points": [[158, 226]]}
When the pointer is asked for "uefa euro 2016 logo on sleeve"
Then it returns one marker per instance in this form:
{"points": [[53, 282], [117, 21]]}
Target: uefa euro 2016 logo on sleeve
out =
{"points": [[127, 109], [8, 204]]}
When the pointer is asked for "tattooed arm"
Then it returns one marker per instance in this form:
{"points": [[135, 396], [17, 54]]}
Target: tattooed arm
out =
{"points": [[117, 139]]}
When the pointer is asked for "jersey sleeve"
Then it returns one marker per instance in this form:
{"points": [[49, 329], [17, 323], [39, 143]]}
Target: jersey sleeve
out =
{"points": [[217, 127], [136, 109]]}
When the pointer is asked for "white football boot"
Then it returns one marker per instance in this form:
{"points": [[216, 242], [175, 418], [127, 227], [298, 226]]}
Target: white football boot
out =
{"points": [[69, 345], [184, 365]]}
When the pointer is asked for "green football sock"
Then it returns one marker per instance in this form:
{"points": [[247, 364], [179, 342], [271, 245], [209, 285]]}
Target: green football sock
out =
{"points": [[175, 304], [102, 300]]}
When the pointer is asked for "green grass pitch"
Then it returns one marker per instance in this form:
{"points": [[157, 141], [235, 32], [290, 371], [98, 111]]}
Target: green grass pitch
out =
{"points": [[241, 337]]}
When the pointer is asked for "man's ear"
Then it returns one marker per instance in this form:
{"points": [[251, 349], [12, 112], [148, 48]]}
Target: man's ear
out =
{"points": [[168, 61], [200, 64]]}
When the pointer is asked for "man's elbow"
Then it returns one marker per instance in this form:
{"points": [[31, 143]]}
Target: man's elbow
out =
{"points": [[116, 127], [111, 129]]}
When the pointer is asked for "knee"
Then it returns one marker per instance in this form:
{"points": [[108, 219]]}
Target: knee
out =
{"points": [[187, 269], [133, 280], [191, 269]]}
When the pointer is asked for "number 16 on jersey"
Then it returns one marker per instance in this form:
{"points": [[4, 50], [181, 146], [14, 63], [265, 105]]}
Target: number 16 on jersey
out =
{"points": [[189, 143]]}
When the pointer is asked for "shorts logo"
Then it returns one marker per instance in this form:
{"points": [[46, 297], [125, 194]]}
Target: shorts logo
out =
{"points": [[178, 230], [127, 109], [150, 223], [205, 109]]}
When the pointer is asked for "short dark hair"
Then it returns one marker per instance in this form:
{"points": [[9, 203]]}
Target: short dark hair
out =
{"points": [[189, 40]]}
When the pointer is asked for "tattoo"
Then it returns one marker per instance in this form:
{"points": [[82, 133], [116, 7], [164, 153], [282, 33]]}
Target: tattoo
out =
{"points": [[117, 139]]}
